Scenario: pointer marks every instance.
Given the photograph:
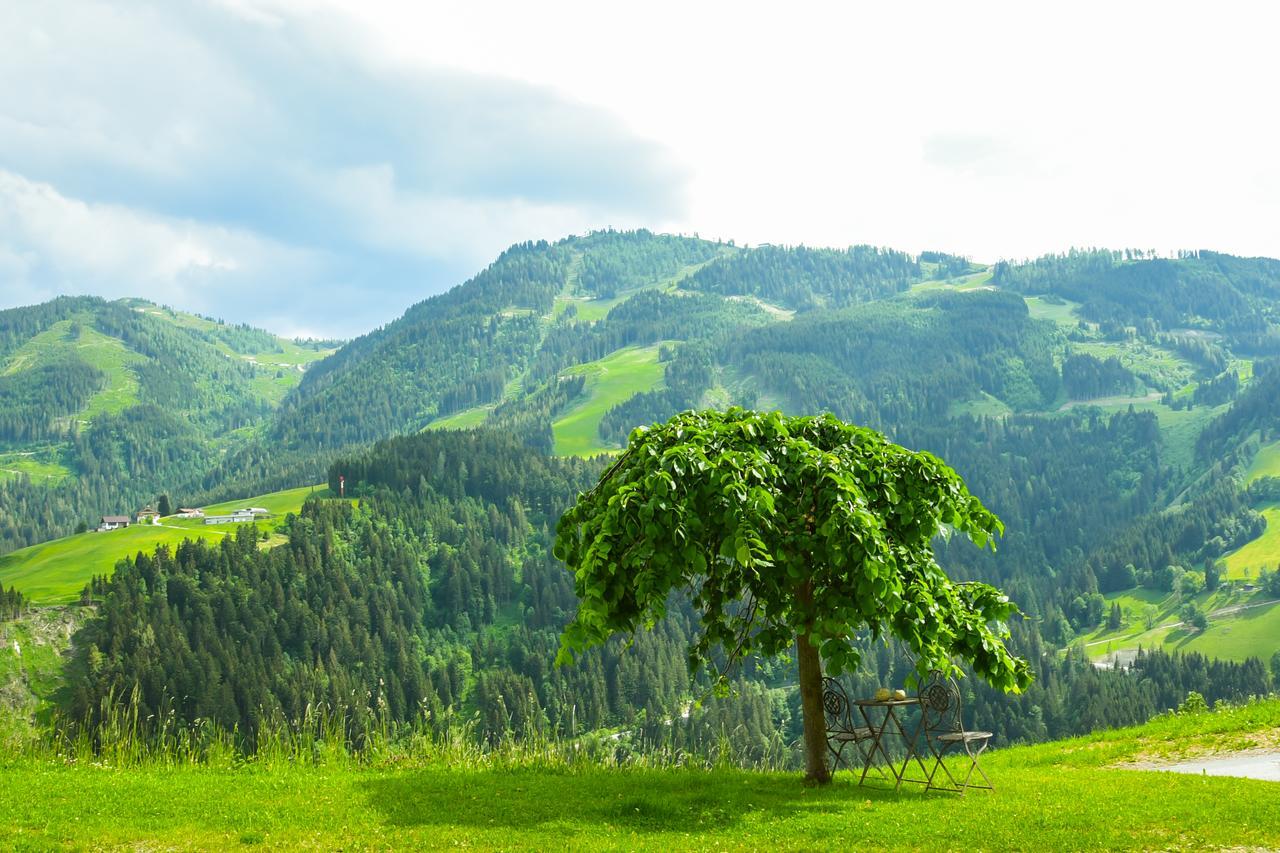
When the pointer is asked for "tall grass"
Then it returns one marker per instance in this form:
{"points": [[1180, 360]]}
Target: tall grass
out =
{"points": [[122, 737]]}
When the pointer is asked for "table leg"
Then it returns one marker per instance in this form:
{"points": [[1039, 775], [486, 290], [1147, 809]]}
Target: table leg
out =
{"points": [[912, 753], [877, 738]]}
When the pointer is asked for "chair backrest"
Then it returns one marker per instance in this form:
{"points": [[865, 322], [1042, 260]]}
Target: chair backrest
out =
{"points": [[835, 702], [940, 704]]}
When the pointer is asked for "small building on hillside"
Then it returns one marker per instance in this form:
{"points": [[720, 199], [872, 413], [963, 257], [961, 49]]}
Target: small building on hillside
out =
{"points": [[256, 510], [147, 516], [113, 522], [237, 517], [188, 512]]}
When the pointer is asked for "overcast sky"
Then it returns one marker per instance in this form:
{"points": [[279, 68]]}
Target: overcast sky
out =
{"points": [[315, 169]]}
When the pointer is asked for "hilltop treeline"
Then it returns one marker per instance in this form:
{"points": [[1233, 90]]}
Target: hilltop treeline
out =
{"points": [[905, 361], [1235, 296], [803, 278]]}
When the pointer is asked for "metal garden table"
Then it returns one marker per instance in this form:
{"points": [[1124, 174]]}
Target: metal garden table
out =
{"points": [[891, 723]]}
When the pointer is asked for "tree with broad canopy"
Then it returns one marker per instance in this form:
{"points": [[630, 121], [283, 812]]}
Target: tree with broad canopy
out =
{"points": [[785, 530]]}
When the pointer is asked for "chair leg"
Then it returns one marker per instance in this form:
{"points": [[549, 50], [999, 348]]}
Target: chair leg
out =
{"points": [[938, 756], [973, 765], [836, 756]]}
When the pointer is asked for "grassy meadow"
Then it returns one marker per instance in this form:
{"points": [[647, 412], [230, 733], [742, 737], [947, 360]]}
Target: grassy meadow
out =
{"points": [[466, 419], [108, 354], [1252, 630], [1261, 553], [610, 381], [55, 572], [1266, 463], [1080, 794], [40, 466]]}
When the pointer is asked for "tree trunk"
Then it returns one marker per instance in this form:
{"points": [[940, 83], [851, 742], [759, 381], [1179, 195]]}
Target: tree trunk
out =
{"points": [[815, 718]]}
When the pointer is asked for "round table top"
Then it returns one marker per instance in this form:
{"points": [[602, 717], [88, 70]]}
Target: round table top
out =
{"points": [[886, 702]]}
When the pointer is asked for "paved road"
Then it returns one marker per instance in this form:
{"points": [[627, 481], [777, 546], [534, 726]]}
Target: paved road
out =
{"points": [[1247, 765]]}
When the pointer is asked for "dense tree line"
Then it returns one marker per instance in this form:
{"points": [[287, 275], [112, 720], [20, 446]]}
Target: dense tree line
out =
{"points": [[1085, 376], [1255, 411], [804, 279], [35, 403], [467, 343], [12, 604], [946, 265], [618, 261], [1235, 296], [908, 359]]}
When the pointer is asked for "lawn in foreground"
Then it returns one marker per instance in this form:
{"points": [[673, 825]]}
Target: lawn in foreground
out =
{"points": [[1062, 808], [1065, 795]]}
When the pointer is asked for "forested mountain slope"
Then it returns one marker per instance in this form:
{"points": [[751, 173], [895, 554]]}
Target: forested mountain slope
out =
{"points": [[1127, 449], [105, 404]]}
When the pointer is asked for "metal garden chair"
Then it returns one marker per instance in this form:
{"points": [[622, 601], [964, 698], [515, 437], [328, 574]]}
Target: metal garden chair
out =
{"points": [[942, 726], [841, 727]]}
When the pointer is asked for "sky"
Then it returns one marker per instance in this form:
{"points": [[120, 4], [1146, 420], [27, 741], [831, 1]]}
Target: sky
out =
{"points": [[315, 168]]}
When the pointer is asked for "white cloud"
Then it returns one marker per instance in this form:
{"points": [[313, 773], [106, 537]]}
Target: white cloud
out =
{"points": [[1119, 124], [224, 138], [395, 148]]}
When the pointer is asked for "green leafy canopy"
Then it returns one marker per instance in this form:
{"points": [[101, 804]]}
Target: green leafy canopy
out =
{"points": [[778, 526]]}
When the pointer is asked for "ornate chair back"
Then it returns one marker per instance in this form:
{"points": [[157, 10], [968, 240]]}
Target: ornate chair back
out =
{"points": [[838, 708], [940, 705]]}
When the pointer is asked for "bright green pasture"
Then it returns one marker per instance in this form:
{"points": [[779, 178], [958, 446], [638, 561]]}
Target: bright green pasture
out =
{"points": [[610, 381], [1254, 632], [1261, 553], [982, 406], [37, 466], [1266, 463], [589, 309], [55, 572], [277, 503], [1069, 795], [1063, 313], [108, 354], [970, 281], [465, 419], [1180, 428]]}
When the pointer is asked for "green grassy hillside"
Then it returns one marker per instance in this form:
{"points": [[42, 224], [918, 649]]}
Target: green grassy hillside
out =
{"points": [[108, 354], [1261, 553], [1241, 625], [55, 572], [1082, 794], [609, 381], [1266, 463]]}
